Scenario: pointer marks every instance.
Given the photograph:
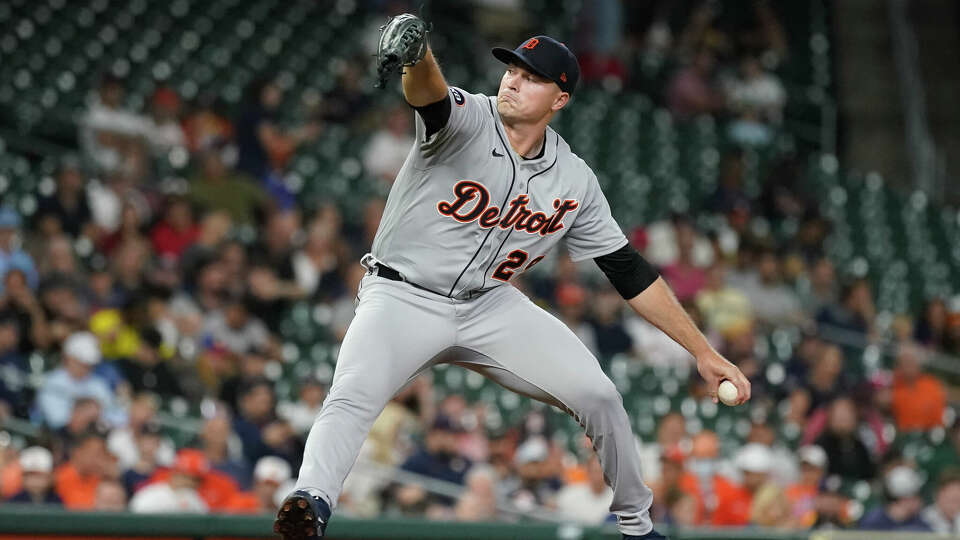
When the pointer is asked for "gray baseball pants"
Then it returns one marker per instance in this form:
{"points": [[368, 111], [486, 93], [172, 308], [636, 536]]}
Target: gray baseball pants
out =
{"points": [[400, 330]]}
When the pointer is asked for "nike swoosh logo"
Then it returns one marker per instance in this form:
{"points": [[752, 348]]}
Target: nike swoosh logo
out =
{"points": [[496, 154]]}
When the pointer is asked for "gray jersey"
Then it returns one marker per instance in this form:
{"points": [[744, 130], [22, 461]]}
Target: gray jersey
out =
{"points": [[466, 213]]}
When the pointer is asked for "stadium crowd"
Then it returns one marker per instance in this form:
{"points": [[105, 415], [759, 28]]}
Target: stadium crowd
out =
{"points": [[147, 288]]}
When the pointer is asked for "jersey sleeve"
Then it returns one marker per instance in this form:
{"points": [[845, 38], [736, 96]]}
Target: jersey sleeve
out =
{"points": [[468, 115], [594, 231]]}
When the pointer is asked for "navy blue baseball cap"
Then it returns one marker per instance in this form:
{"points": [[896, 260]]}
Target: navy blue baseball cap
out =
{"points": [[546, 57]]}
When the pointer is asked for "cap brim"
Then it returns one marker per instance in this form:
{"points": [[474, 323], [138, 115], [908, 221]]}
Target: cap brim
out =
{"points": [[509, 57]]}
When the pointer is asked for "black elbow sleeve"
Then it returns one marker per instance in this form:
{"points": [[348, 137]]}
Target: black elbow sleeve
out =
{"points": [[628, 271]]}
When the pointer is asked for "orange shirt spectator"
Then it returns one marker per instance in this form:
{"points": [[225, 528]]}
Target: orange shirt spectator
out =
{"points": [[76, 481], [78, 491], [215, 488], [733, 503], [918, 398]]}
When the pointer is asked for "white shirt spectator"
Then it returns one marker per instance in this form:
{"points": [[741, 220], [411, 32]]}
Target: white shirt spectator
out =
{"points": [[160, 498], [580, 503], [253, 334], [662, 247], [101, 118], [388, 148], [60, 390], [122, 444], [653, 346]]}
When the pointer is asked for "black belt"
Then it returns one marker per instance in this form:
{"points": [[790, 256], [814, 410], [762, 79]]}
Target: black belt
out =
{"points": [[385, 271]]}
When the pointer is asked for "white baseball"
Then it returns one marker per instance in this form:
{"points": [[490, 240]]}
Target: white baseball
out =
{"points": [[727, 393]]}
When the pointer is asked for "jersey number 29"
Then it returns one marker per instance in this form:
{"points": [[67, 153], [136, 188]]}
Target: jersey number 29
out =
{"points": [[515, 259]]}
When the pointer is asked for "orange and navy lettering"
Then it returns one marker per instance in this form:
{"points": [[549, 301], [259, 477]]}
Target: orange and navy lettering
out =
{"points": [[472, 201], [531, 43]]}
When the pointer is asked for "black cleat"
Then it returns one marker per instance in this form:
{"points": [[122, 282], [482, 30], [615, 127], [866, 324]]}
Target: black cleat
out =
{"points": [[652, 535], [302, 516]]}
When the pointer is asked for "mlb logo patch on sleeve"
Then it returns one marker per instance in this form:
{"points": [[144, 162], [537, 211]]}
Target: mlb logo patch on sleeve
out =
{"points": [[457, 96]]}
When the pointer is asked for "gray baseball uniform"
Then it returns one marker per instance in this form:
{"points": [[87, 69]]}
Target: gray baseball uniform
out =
{"points": [[464, 216]]}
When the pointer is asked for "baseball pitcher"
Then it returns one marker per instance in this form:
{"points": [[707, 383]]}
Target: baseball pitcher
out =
{"points": [[486, 191]]}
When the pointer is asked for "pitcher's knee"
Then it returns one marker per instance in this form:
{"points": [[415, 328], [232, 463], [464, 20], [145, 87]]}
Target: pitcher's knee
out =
{"points": [[601, 399]]}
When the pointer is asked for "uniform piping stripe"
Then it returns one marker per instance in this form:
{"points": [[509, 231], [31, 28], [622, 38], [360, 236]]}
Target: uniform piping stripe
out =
{"points": [[510, 231], [506, 196]]}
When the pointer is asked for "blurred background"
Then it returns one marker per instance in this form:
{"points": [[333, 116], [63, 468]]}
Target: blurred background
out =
{"points": [[187, 188]]}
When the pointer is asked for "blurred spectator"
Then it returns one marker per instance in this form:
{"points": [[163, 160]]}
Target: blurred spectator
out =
{"points": [[234, 328], [931, 328], [684, 276], [269, 476], [252, 366], [348, 100], [58, 262], [213, 230], [264, 147], [177, 232], [162, 130], [178, 491], [259, 429], [771, 508], [302, 413], [14, 398], [110, 132], [803, 495], [902, 506], [438, 457], [110, 497], [722, 306], [730, 198], [820, 287], [388, 147], [316, 264], [479, 501], [773, 301], [223, 449], [735, 501], [919, 399], [825, 380], [85, 416], [539, 465], [608, 323], [783, 469], [89, 463], [571, 302], [756, 97], [12, 257], [149, 370], [206, 124], [671, 437], [854, 313], [682, 509], [675, 481], [666, 238], [75, 379], [586, 502], [216, 186], [150, 447], [943, 516], [691, 92], [124, 442], [36, 464], [847, 455], [66, 211]]}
